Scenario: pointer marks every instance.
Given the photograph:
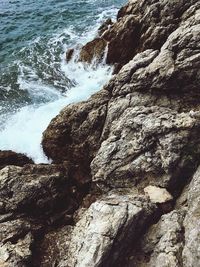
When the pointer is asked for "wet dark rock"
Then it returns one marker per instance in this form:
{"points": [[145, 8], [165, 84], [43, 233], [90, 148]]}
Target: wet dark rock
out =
{"points": [[122, 40], [105, 26], [142, 25], [69, 54], [93, 50], [75, 135], [11, 158]]}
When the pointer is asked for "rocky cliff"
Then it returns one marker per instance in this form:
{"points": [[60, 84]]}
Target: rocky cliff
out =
{"points": [[124, 186]]}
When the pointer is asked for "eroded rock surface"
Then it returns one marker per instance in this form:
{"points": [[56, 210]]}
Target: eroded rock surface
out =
{"points": [[134, 147], [174, 240], [75, 135], [12, 158], [191, 251], [162, 245], [32, 199], [142, 25], [150, 124], [93, 50], [146, 136], [33, 188], [98, 237]]}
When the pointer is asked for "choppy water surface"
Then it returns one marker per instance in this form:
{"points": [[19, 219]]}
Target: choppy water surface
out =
{"points": [[35, 81]]}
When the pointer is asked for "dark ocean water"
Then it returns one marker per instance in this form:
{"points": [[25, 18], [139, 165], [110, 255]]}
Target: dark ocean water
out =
{"points": [[35, 82]]}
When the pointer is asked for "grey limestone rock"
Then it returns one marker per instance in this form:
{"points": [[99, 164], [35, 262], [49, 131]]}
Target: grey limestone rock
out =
{"points": [[191, 252], [106, 229]]}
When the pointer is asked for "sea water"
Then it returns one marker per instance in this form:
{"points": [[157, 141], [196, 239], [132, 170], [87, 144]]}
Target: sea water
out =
{"points": [[35, 80]]}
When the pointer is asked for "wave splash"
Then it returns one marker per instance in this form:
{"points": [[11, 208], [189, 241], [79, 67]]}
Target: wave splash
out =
{"points": [[22, 131]]}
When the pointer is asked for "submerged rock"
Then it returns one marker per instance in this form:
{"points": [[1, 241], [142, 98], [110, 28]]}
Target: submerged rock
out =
{"points": [[69, 54]]}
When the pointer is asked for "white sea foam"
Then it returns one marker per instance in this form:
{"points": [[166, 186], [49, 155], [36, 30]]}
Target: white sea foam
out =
{"points": [[23, 130]]}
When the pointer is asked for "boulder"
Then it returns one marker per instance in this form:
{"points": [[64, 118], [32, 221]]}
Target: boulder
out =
{"points": [[143, 126], [33, 199], [106, 229], [34, 189], [144, 25], [140, 25], [75, 135], [11, 158], [141, 129], [122, 40], [93, 50], [150, 133], [121, 228]]}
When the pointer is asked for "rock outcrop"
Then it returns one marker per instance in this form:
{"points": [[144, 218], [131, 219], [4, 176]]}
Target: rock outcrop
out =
{"points": [[93, 50], [76, 135], [33, 199], [107, 228], [140, 25], [148, 124], [191, 253], [124, 186], [145, 141], [12, 158]]}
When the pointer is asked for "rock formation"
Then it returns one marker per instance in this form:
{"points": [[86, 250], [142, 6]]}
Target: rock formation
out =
{"points": [[12, 158], [124, 186], [93, 50]]}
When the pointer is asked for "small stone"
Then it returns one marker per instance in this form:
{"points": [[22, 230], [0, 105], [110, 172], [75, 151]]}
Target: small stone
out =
{"points": [[157, 194]]}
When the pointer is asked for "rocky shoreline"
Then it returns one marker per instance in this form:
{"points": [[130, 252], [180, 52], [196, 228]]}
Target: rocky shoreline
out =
{"points": [[124, 185]]}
